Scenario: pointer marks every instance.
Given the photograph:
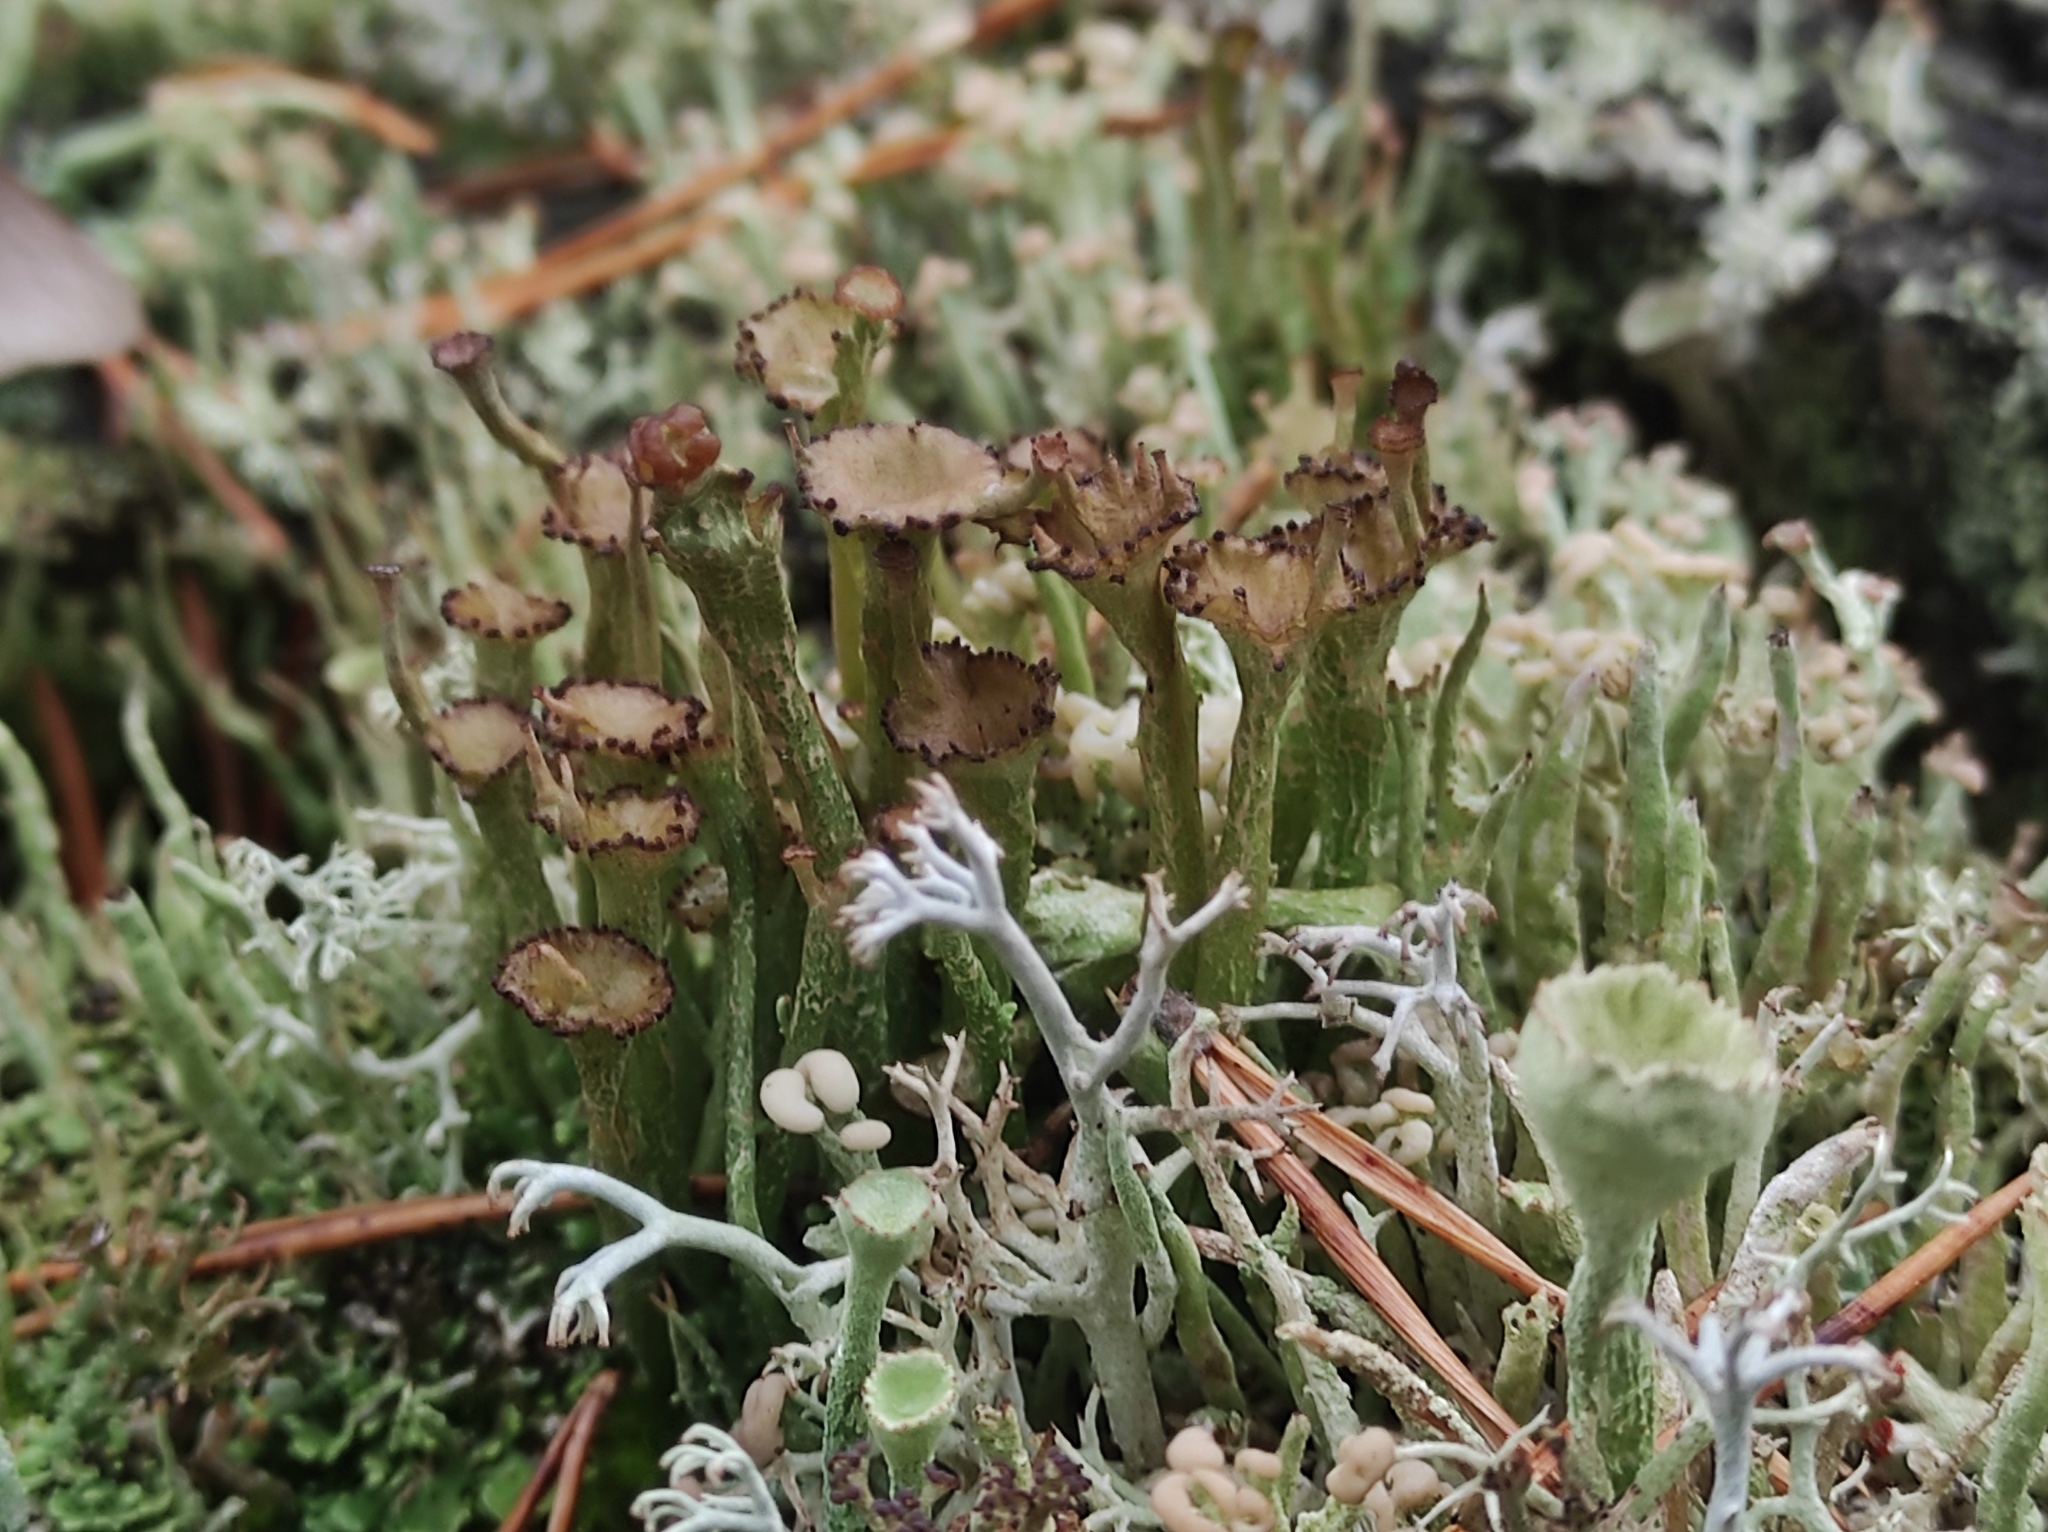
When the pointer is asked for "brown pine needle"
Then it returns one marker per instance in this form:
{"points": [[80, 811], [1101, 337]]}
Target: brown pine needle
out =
{"points": [[901, 156], [514, 295], [81, 844], [589, 1404], [267, 541], [598, 162], [576, 1451], [232, 79], [835, 106], [285, 1239], [223, 758], [1862, 1314], [1357, 1259], [1393, 1183], [36, 1321]]}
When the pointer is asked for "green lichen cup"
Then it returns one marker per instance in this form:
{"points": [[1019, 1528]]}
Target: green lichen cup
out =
{"points": [[910, 1398], [1638, 1086]]}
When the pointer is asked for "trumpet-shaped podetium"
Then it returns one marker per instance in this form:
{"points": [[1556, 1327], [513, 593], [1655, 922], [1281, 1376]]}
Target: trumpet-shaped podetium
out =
{"points": [[590, 505], [477, 741], [896, 479], [492, 610], [1638, 1086], [910, 1398], [623, 718], [573, 979], [971, 706], [797, 349], [625, 819]]}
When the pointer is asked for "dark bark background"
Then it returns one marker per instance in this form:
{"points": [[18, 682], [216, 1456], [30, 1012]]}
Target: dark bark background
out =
{"points": [[1918, 446]]}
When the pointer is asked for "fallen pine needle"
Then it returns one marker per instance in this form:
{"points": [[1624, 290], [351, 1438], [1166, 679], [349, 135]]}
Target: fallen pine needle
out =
{"points": [[267, 541], [1386, 1178], [576, 1451], [81, 844], [263, 82], [590, 1403], [285, 1239], [1356, 1258], [837, 105], [1861, 1314]]}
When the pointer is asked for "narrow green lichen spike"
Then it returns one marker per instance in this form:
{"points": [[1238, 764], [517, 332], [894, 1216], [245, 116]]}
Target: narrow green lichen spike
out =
{"points": [[1412, 752], [203, 1086], [1545, 935], [1194, 1319], [33, 829], [1649, 796], [2022, 1422], [1794, 862], [1681, 932], [1475, 867], [1443, 727], [1845, 870], [1703, 681]]}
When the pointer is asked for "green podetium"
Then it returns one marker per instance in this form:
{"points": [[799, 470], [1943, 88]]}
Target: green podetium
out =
{"points": [[1106, 531], [813, 355], [1397, 526], [887, 1218], [1321, 598], [1545, 932], [910, 1398], [600, 990], [725, 543], [1783, 950], [1638, 1087], [890, 491]]}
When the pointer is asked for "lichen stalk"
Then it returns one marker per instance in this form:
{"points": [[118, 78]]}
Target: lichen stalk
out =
{"points": [[1353, 743], [1610, 1396], [1115, 1227], [1649, 797], [203, 1086], [726, 546], [1545, 926], [466, 358], [1781, 955], [1229, 971], [1169, 728], [895, 623], [1846, 865]]}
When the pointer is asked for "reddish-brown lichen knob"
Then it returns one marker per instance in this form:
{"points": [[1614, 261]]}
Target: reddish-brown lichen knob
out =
{"points": [[672, 449]]}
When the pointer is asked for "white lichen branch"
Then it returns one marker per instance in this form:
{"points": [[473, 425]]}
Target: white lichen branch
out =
{"points": [[949, 875], [713, 1486], [933, 886], [1728, 1366], [437, 1061], [580, 1310], [1428, 1018]]}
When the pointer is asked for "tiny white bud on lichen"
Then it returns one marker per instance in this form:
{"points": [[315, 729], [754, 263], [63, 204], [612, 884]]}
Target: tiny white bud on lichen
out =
{"points": [[833, 1082], [1192, 1449], [868, 1136], [788, 1104]]}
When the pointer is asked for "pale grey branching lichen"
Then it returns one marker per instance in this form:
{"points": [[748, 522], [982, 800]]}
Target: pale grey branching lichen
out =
{"points": [[1088, 1275], [1420, 1013], [1728, 1365], [713, 1486], [580, 1311]]}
